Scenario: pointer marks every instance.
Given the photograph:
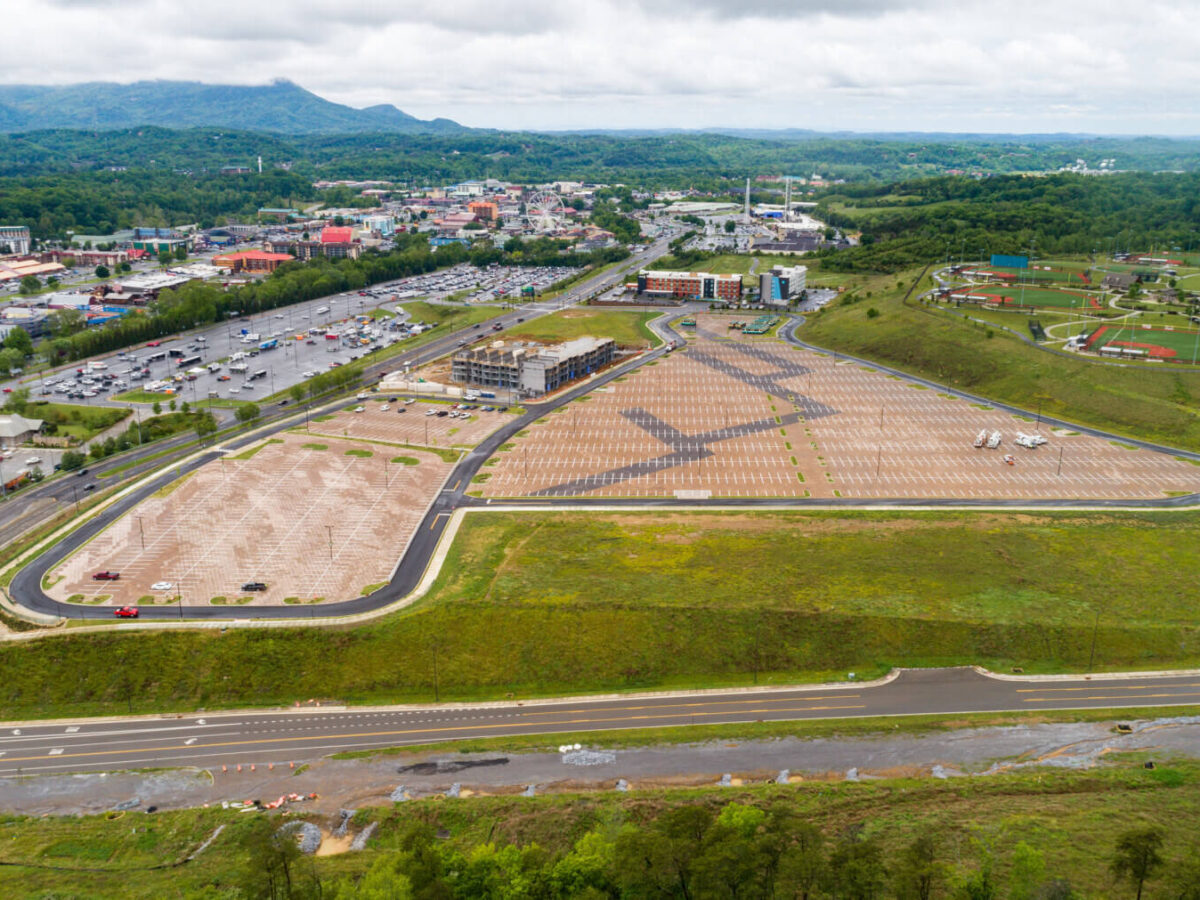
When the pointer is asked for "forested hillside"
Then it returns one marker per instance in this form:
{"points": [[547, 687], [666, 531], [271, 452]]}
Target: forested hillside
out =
{"points": [[922, 221]]}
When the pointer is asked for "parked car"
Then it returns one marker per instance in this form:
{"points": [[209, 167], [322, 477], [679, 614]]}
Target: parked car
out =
{"points": [[162, 586], [106, 576], [126, 612], [254, 586]]}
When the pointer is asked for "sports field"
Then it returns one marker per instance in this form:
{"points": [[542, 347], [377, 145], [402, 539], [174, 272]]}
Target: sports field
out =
{"points": [[1036, 297], [1158, 343], [1033, 275]]}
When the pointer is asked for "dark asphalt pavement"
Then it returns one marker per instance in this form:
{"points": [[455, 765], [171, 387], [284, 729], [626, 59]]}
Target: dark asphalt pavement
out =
{"points": [[300, 734]]}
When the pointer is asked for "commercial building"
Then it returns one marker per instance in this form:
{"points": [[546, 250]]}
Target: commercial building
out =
{"points": [[14, 240], [382, 225], [533, 369], [782, 284], [252, 261], [690, 285], [484, 210], [306, 250], [16, 269], [16, 430], [86, 259]]}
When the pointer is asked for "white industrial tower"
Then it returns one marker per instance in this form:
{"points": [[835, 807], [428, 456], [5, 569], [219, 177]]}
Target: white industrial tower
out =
{"points": [[746, 211]]}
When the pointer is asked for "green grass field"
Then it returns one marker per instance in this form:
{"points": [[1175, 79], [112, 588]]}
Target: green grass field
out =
{"points": [[1070, 819], [1025, 297], [1036, 274], [1159, 343], [1148, 402], [80, 422], [628, 329], [588, 603]]}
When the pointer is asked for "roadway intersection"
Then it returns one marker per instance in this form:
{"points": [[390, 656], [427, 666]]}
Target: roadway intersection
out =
{"points": [[306, 733]]}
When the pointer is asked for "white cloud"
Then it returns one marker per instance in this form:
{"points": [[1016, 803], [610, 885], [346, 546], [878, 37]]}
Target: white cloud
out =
{"points": [[1022, 65]]}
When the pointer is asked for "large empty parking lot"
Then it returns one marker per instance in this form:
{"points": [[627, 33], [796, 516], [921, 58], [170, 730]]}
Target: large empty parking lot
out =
{"points": [[737, 417], [314, 518]]}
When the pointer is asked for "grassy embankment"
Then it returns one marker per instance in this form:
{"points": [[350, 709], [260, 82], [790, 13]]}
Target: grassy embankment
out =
{"points": [[1072, 818], [684, 600], [1154, 403], [628, 329], [80, 422]]}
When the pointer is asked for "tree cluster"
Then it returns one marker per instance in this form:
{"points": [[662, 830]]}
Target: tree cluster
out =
{"points": [[696, 852]]}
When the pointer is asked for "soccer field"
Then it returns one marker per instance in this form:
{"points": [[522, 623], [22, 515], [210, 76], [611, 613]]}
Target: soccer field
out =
{"points": [[1158, 343]]}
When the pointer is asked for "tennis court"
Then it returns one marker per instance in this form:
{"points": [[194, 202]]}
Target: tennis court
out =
{"points": [[1151, 342]]}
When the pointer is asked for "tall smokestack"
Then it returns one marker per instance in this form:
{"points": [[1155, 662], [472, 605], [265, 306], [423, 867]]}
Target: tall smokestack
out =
{"points": [[746, 211], [260, 165]]}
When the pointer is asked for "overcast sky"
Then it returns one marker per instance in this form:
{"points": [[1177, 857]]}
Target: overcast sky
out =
{"points": [[887, 65]]}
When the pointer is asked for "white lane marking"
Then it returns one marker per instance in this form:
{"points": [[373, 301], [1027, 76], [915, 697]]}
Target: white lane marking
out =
{"points": [[190, 741], [126, 732], [72, 729], [56, 751]]}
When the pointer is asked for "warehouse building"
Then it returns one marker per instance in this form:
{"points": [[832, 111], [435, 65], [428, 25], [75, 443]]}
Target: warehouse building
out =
{"points": [[690, 285]]}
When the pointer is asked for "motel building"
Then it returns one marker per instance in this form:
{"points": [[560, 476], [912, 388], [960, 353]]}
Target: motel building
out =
{"points": [[691, 285]]}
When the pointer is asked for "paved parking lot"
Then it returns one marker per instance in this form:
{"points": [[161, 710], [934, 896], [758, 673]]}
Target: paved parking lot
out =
{"points": [[412, 426], [739, 417], [312, 524]]}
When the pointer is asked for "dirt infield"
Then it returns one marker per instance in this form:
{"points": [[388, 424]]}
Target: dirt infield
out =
{"points": [[411, 427], [311, 523], [740, 417]]}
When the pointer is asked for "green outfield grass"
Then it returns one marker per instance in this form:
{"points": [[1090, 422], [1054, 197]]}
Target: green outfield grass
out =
{"points": [[1018, 297], [628, 329], [1037, 275], [1179, 344], [588, 603]]}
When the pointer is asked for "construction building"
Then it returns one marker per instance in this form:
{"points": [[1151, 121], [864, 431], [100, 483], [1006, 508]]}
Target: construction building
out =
{"points": [[14, 240], [533, 369], [691, 285], [782, 284]]}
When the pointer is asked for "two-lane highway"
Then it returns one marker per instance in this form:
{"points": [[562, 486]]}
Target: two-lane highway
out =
{"points": [[294, 735]]}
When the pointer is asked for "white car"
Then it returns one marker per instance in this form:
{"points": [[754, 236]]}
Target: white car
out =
{"points": [[384, 408], [33, 461], [234, 391], [162, 586], [309, 374], [359, 408]]}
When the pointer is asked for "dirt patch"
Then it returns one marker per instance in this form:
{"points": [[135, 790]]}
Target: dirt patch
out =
{"points": [[333, 846]]}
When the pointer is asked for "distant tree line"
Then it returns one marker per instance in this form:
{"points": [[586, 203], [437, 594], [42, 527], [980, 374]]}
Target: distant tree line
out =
{"points": [[914, 222]]}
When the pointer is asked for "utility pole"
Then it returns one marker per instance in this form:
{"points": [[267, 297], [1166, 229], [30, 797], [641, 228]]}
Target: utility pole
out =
{"points": [[141, 531]]}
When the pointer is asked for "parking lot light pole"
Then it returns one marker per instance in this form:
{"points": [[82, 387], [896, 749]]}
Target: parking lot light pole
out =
{"points": [[141, 531]]}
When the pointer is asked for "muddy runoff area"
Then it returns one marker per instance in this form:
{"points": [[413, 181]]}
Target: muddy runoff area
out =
{"points": [[328, 786]]}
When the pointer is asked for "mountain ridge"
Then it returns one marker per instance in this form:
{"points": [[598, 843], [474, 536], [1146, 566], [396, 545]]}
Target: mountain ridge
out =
{"points": [[281, 107]]}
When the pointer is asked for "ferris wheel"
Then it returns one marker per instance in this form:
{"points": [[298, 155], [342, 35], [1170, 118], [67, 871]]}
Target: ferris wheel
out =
{"points": [[543, 210]]}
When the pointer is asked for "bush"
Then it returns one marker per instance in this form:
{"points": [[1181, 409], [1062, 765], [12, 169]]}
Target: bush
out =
{"points": [[872, 313]]}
